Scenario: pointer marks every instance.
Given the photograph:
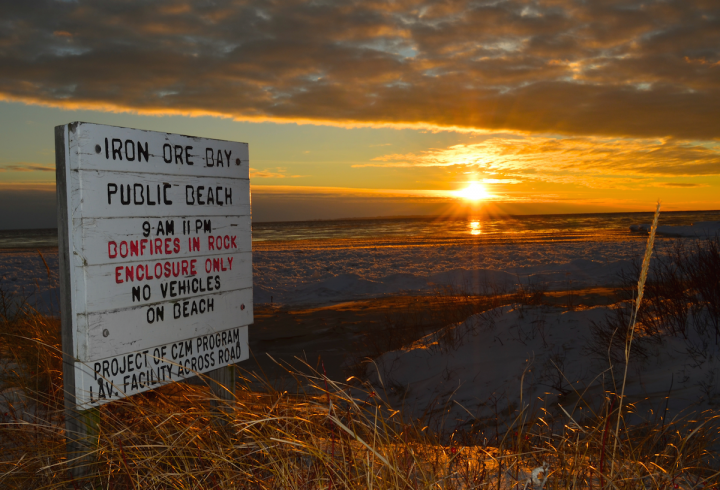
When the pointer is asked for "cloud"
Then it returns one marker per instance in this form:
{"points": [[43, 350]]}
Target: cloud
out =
{"points": [[279, 173], [501, 181], [288, 203], [624, 69], [32, 207], [593, 161], [27, 186], [26, 167], [674, 185], [317, 192]]}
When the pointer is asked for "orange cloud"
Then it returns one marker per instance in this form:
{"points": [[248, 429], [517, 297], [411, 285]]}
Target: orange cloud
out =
{"points": [[280, 173], [319, 191], [680, 185], [28, 186], [592, 161], [26, 167]]}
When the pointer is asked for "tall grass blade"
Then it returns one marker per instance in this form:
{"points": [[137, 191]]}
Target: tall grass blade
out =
{"points": [[628, 342]]}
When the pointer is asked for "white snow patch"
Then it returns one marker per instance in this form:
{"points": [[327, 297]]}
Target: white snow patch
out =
{"points": [[322, 276], [530, 357]]}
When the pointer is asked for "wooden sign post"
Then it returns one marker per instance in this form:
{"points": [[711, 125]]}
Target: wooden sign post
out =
{"points": [[155, 265]]}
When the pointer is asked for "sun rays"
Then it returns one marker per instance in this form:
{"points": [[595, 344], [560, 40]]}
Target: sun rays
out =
{"points": [[474, 192]]}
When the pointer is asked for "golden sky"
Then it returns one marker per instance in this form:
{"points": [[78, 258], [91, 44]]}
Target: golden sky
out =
{"points": [[386, 107]]}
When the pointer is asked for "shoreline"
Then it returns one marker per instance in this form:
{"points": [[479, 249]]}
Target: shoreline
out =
{"points": [[264, 245]]}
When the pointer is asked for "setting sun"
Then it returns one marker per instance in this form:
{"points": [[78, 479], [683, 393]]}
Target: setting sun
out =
{"points": [[473, 192]]}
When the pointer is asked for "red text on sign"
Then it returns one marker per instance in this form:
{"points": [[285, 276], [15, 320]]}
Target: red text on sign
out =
{"points": [[222, 242], [138, 248], [147, 272]]}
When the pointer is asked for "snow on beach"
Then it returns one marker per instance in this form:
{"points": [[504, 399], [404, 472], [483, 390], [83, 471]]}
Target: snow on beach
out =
{"points": [[312, 276], [302, 273], [498, 352], [534, 357], [307, 276], [23, 274], [518, 359]]}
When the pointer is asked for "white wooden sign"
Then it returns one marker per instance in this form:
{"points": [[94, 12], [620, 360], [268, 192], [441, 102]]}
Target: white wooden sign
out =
{"points": [[155, 258]]}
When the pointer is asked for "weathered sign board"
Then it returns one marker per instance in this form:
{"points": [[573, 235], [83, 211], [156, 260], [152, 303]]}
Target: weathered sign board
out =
{"points": [[155, 258]]}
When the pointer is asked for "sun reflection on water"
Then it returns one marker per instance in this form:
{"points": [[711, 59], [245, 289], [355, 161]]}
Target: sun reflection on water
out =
{"points": [[475, 228]]}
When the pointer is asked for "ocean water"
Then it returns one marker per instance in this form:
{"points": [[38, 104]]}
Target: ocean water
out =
{"points": [[431, 229]]}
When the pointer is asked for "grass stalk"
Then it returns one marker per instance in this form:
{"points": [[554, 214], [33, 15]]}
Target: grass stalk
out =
{"points": [[628, 342]]}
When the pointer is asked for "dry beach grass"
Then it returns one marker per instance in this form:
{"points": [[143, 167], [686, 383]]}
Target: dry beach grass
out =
{"points": [[328, 434]]}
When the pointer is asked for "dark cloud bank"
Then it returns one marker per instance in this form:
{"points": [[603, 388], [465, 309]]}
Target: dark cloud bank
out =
{"points": [[23, 209], [625, 68]]}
